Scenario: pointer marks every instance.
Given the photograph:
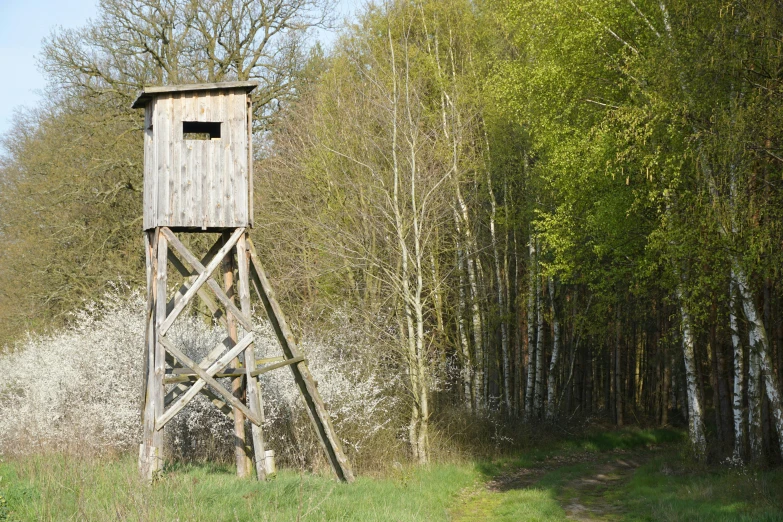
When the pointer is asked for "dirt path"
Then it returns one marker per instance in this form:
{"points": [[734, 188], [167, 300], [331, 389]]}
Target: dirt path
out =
{"points": [[579, 483], [584, 497]]}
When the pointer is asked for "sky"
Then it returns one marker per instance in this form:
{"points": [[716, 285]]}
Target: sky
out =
{"points": [[25, 23]]}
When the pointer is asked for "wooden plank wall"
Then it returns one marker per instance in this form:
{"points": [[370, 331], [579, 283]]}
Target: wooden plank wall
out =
{"points": [[196, 183]]}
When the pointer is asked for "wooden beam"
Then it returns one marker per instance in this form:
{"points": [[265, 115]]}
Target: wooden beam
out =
{"points": [[221, 405], [148, 93], [217, 313], [160, 353], [198, 267], [208, 379], [199, 282], [148, 454], [254, 398], [294, 360], [211, 357], [237, 385], [307, 386], [235, 372]]}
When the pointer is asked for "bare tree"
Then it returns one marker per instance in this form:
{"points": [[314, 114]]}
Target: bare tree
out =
{"points": [[133, 43]]}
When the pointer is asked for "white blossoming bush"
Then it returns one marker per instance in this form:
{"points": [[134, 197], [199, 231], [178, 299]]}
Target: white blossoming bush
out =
{"points": [[79, 388], [360, 392]]}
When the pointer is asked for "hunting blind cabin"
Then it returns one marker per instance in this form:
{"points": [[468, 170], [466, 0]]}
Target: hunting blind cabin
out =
{"points": [[198, 178]]}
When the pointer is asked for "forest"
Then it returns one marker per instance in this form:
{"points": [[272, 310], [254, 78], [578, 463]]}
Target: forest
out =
{"points": [[489, 220]]}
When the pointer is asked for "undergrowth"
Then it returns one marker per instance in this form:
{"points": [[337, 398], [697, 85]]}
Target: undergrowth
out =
{"points": [[665, 486], [61, 487]]}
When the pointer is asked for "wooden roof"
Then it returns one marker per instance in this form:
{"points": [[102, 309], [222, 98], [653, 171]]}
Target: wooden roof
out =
{"points": [[150, 92]]}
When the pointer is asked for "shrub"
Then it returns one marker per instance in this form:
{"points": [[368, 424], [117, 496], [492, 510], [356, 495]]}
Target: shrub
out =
{"points": [[79, 388]]}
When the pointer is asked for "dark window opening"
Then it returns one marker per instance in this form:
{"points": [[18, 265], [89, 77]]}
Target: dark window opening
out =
{"points": [[201, 130]]}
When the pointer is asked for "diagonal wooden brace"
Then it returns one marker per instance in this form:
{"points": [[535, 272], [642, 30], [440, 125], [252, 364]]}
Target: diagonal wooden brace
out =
{"points": [[200, 280], [211, 357], [190, 277], [307, 386], [206, 378], [198, 267]]}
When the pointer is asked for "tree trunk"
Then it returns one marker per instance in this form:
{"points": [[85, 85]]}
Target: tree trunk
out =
{"points": [[759, 349], [551, 392], [465, 369], [531, 329], [539, 386], [695, 418], [618, 372]]}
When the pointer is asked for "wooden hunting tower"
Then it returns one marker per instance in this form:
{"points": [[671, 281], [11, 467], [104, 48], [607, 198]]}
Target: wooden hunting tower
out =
{"points": [[198, 177]]}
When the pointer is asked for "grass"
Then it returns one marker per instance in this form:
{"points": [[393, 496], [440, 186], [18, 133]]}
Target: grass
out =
{"points": [[666, 487], [549, 479], [67, 488]]}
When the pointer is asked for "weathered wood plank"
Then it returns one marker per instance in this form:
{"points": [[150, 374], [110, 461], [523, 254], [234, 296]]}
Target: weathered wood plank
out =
{"points": [[162, 148], [265, 369], [200, 280], [222, 159], [217, 313], [249, 170], [239, 190], [206, 377], [149, 183], [198, 267], [307, 386], [211, 357], [152, 446], [175, 169], [194, 217], [147, 456], [149, 92], [254, 397], [221, 405], [236, 371], [237, 389]]}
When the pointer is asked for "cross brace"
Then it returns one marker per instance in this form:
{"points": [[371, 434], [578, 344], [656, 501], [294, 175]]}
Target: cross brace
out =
{"points": [[190, 377]]}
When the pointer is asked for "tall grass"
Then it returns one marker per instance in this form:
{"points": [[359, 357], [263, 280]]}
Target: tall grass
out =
{"points": [[63, 487]]}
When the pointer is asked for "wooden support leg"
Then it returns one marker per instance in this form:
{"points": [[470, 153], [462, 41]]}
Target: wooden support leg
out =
{"points": [[253, 389], [307, 386], [236, 383], [151, 450], [148, 408]]}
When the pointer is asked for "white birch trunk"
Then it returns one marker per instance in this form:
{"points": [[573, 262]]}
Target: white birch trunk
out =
{"points": [[465, 369], [754, 405], [404, 282], [758, 340], [759, 351], [500, 297], [551, 391], [478, 347], [420, 356], [539, 392], [739, 375], [695, 416], [472, 376], [531, 330]]}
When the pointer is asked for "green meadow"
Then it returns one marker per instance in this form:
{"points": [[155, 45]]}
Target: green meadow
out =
{"points": [[628, 475]]}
